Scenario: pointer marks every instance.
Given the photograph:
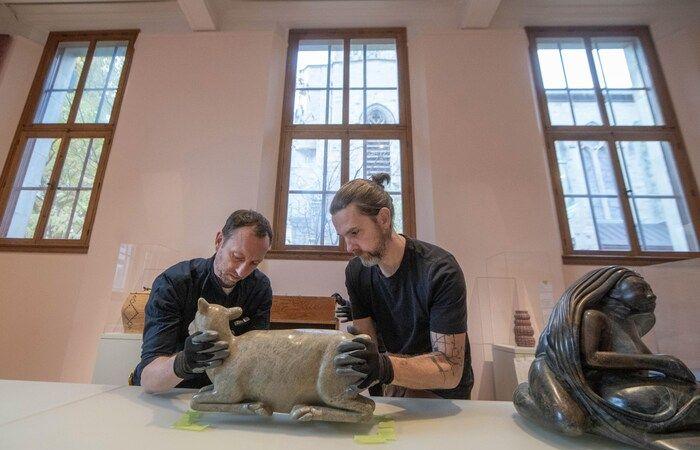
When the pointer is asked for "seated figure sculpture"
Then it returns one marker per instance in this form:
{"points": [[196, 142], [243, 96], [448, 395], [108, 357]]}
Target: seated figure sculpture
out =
{"points": [[592, 372], [286, 371]]}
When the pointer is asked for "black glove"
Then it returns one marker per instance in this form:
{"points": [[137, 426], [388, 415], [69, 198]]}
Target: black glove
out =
{"points": [[361, 357], [202, 351], [343, 311]]}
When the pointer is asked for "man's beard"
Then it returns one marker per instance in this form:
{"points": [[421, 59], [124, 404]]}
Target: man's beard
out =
{"points": [[372, 258]]}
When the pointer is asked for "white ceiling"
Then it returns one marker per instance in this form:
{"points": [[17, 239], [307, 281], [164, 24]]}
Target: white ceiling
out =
{"points": [[35, 18]]}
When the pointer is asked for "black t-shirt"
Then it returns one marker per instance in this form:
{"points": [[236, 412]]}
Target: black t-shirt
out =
{"points": [[172, 305], [427, 293]]}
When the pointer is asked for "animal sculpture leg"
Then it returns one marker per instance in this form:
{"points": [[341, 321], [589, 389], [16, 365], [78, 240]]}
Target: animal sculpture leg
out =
{"points": [[358, 410], [207, 399]]}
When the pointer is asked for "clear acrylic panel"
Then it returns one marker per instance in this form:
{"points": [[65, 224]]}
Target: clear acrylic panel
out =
{"points": [[80, 166], [102, 82], [29, 187], [61, 82], [580, 217], [624, 76]]}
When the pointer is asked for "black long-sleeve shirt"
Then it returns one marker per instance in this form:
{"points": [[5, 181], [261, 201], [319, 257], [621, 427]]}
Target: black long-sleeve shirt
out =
{"points": [[172, 305]]}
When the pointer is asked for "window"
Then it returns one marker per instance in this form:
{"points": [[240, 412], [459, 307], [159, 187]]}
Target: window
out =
{"points": [[346, 115], [622, 181], [53, 174]]}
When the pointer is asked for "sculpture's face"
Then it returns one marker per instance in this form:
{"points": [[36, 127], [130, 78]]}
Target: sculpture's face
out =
{"points": [[636, 293]]}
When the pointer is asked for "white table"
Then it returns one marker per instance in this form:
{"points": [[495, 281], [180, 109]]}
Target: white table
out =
{"points": [[127, 418]]}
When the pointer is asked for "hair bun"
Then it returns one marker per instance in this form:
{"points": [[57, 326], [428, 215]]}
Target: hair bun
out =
{"points": [[382, 179]]}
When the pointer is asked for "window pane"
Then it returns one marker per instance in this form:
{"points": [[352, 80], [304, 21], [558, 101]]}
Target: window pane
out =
{"points": [[374, 106], [660, 226], [595, 216], [102, 81], [368, 157], [61, 82], [398, 212], [67, 214], [303, 219], [374, 85], [81, 162], [314, 163], [568, 83], [318, 91], [610, 223], [29, 187], [626, 81], [559, 106], [586, 111], [26, 214], [656, 196], [578, 212]]}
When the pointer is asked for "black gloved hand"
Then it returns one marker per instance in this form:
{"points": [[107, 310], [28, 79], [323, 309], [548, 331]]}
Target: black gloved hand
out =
{"points": [[202, 351], [361, 357], [343, 311]]}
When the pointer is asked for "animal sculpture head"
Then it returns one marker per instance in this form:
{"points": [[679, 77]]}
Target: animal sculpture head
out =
{"points": [[215, 317]]}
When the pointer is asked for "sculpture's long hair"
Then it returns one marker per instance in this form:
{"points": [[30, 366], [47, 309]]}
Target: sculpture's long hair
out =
{"points": [[559, 345]]}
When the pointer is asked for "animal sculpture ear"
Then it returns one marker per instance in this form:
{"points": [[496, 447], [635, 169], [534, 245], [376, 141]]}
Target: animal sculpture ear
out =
{"points": [[202, 305], [234, 313]]}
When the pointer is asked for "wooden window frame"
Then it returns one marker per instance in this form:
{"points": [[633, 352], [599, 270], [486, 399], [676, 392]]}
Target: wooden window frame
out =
{"points": [[611, 133], [344, 132], [27, 129]]}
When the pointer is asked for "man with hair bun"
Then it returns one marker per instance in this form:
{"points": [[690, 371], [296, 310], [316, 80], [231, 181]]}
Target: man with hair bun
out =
{"points": [[170, 356], [409, 296]]}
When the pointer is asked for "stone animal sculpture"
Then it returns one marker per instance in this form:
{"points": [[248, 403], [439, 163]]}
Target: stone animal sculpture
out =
{"points": [[285, 371], [592, 372]]}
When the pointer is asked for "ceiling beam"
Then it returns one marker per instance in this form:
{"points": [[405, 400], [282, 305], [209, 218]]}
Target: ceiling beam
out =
{"points": [[199, 14], [477, 13]]}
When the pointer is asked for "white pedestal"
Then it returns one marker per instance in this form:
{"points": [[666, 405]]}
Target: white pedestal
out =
{"points": [[510, 368], [117, 355]]}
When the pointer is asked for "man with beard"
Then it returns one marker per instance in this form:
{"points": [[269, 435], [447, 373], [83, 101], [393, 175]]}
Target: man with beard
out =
{"points": [[170, 356], [409, 296]]}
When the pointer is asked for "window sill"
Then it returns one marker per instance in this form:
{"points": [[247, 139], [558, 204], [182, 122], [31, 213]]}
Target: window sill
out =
{"points": [[626, 260], [317, 255], [43, 248]]}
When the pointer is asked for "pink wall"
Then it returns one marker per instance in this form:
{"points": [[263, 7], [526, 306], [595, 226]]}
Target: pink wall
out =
{"points": [[198, 137]]}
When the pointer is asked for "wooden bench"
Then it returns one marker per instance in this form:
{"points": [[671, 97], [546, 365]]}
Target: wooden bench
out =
{"points": [[295, 311]]}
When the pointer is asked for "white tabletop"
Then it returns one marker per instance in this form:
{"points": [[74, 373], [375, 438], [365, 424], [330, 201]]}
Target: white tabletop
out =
{"points": [[24, 398], [126, 417]]}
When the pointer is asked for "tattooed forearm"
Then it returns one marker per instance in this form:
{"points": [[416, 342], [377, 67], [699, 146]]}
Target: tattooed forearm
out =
{"points": [[439, 369]]}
